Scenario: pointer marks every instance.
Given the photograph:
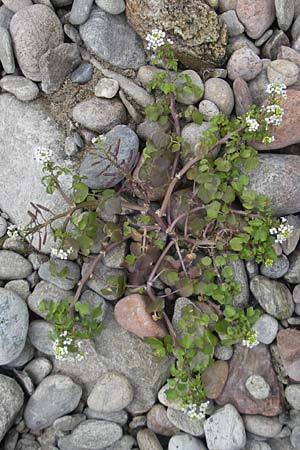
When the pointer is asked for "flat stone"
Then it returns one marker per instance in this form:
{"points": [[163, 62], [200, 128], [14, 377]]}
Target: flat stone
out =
{"points": [[257, 387], [38, 369], [192, 132], [120, 417], [112, 39], [51, 271], [274, 297], [289, 54], [258, 87], [39, 335], [214, 379], [91, 435], [245, 64], [99, 115], [285, 10], [104, 174], [11, 401], [276, 177], [46, 292], [13, 326], [80, 11], [248, 12], [106, 88], [183, 422], [277, 269], [72, 33], [56, 64], [6, 51], [185, 442], [225, 430], [288, 342], [240, 276], [147, 440], [158, 422], [295, 438], [125, 443], [273, 45], [266, 328], [282, 71], [22, 88], [259, 42], [112, 393], [3, 223], [5, 16], [20, 287], [112, 6], [266, 427], [292, 394], [131, 313], [219, 92], [54, 397], [293, 276], [234, 26], [13, 266], [242, 96], [34, 30], [82, 74], [68, 423], [244, 363]]}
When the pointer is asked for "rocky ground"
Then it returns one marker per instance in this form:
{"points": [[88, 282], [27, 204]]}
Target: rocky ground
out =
{"points": [[72, 70]]}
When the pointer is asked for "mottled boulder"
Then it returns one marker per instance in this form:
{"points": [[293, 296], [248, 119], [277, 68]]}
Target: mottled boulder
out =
{"points": [[256, 16], [288, 342], [198, 34]]}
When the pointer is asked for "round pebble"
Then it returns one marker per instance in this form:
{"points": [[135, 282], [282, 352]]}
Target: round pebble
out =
{"points": [[189, 99], [219, 92], [208, 109], [257, 387], [245, 64], [279, 268], [38, 369], [82, 74], [292, 394], [106, 88], [266, 329], [223, 352], [185, 442], [282, 71]]}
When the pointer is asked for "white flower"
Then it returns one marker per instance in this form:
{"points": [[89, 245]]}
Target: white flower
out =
{"points": [[268, 139], [282, 232], [62, 351], [61, 253], [250, 340], [274, 114], [253, 125], [15, 232], [43, 155], [156, 39], [194, 411], [277, 88]]}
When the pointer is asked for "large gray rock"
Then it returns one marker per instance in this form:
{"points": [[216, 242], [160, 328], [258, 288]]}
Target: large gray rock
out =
{"points": [[277, 177], [120, 350], [26, 126], [54, 397], [13, 325], [91, 435], [11, 401], [34, 30], [112, 39], [13, 266]]}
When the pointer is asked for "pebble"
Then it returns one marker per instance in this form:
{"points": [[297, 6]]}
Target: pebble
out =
{"points": [[223, 352], [238, 42], [38, 369], [266, 427], [20, 287], [249, 11], [266, 328], [183, 422], [6, 51], [112, 6], [22, 88], [99, 115], [225, 430], [46, 292], [131, 313], [100, 281], [111, 38], [39, 335], [72, 33], [285, 10], [245, 64], [258, 387], [292, 395], [214, 379], [289, 54], [26, 355], [147, 440], [290, 244], [277, 269], [219, 92], [80, 11], [128, 146], [185, 442], [5, 16], [13, 266], [227, 5], [296, 294], [111, 393], [192, 132], [174, 404], [288, 342], [120, 417], [158, 422], [54, 397], [293, 274], [234, 26], [282, 71], [11, 401], [34, 30], [242, 96], [259, 42], [83, 74], [13, 325], [272, 46], [137, 423], [125, 443], [63, 274], [208, 109], [91, 435], [189, 99], [106, 88]]}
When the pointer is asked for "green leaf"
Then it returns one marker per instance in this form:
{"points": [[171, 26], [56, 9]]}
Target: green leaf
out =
{"points": [[130, 259], [171, 394], [220, 261], [206, 261], [82, 308], [96, 312], [236, 244], [186, 341], [212, 210], [80, 192], [197, 117]]}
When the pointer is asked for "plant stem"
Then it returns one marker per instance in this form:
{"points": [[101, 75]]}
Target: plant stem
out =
{"points": [[153, 272]]}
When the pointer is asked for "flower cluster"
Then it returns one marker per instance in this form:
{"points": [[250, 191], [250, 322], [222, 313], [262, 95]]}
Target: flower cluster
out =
{"points": [[195, 411], [98, 139], [274, 114], [65, 348], [156, 39], [252, 124], [282, 232], [61, 253], [43, 155], [276, 88], [15, 232], [250, 340], [268, 139]]}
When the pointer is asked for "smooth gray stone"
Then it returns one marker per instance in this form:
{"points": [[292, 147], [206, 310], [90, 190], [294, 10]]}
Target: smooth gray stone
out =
{"points": [[83, 74], [3, 224], [266, 427], [272, 46], [277, 269], [290, 244], [16, 5], [285, 10], [94, 301], [67, 281], [38, 369], [80, 11], [5, 16], [293, 274], [185, 442], [72, 33], [234, 26], [13, 266], [11, 401], [54, 397], [98, 114], [292, 394], [112, 39], [112, 6], [26, 355], [120, 417], [6, 51], [100, 281], [46, 292], [39, 335], [13, 326], [68, 423], [184, 423], [266, 328], [220, 93], [147, 440], [20, 287], [22, 88]]}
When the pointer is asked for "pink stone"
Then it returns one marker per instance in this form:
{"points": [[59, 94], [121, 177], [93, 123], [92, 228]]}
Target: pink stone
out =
{"points": [[288, 342], [242, 96], [157, 421], [131, 313], [256, 16]]}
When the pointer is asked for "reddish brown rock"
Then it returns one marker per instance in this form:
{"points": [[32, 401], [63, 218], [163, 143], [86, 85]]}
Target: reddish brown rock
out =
{"points": [[131, 314], [246, 362], [157, 421], [214, 379], [256, 16], [288, 343], [288, 132], [242, 96]]}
